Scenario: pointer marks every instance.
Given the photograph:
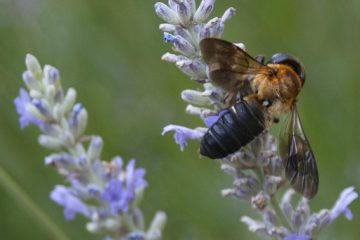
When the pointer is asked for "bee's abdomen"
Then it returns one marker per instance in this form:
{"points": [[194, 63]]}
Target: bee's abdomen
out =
{"points": [[236, 127]]}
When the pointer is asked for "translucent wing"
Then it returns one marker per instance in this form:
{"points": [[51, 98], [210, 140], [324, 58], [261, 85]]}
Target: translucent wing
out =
{"points": [[229, 65], [297, 157]]}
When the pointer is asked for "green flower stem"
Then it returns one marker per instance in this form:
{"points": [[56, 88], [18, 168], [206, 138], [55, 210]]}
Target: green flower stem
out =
{"points": [[280, 213], [23, 200], [275, 203]]}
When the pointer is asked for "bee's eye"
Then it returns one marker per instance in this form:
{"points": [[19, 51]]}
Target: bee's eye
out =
{"points": [[266, 103]]}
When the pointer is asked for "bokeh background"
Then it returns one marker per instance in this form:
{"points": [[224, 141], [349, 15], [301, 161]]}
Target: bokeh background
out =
{"points": [[110, 52]]}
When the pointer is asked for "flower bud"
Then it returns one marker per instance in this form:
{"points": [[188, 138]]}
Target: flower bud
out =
{"points": [[184, 12], [204, 10], [30, 81], [183, 46], [166, 27], [194, 97], [51, 75], [50, 142], [156, 226], [33, 110], [166, 13], [228, 14], [33, 66], [95, 148]]}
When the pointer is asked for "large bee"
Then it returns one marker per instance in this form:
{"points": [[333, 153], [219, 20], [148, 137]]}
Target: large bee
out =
{"points": [[256, 94]]}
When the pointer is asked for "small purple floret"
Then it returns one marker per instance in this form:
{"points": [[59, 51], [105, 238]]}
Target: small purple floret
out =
{"points": [[72, 205], [134, 179], [115, 196], [210, 120], [119, 193], [341, 206], [26, 118], [181, 134]]}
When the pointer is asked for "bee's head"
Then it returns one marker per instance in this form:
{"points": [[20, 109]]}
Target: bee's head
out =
{"points": [[291, 61]]}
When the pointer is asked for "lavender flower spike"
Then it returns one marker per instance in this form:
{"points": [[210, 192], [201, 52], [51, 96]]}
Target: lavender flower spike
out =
{"points": [[105, 193], [256, 167]]}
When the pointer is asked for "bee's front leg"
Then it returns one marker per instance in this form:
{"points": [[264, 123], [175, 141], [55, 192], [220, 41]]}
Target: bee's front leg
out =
{"points": [[260, 58]]}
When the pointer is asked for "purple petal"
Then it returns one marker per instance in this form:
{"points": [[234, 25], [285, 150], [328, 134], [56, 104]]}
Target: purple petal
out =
{"points": [[25, 118], [182, 134], [134, 179], [72, 205], [341, 206], [210, 120], [115, 196], [348, 214], [297, 236]]}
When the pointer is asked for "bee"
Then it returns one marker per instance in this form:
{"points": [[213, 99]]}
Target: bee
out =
{"points": [[256, 94]]}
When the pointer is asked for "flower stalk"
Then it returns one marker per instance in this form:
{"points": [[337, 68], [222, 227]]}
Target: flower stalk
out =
{"points": [[279, 212], [15, 191]]}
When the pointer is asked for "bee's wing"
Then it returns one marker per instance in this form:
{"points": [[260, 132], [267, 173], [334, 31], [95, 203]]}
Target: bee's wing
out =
{"points": [[297, 157], [229, 63]]}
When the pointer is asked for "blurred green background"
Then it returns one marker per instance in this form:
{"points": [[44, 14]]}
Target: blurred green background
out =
{"points": [[110, 52]]}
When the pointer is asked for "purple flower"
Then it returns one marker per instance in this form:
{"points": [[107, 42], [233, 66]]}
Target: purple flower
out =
{"points": [[182, 134], [210, 120], [72, 205], [134, 179], [115, 196], [297, 236], [341, 206], [118, 195], [26, 117]]}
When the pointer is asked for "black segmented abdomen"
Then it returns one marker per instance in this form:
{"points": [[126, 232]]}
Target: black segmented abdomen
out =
{"points": [[234, 129]]}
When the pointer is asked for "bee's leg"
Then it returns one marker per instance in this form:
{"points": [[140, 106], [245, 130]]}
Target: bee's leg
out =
{"points": [[230, 98], [260, 58]]}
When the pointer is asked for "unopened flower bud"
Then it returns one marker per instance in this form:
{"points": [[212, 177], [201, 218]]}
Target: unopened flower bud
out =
{"points": [[156, 226], [204, 10], [30, 81], [167, 27], [33, 66], [95, 148], [166, 13], [51, 75], [184, 12], [194, 97], [228, 14], [50, 142], [69, 100]]}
